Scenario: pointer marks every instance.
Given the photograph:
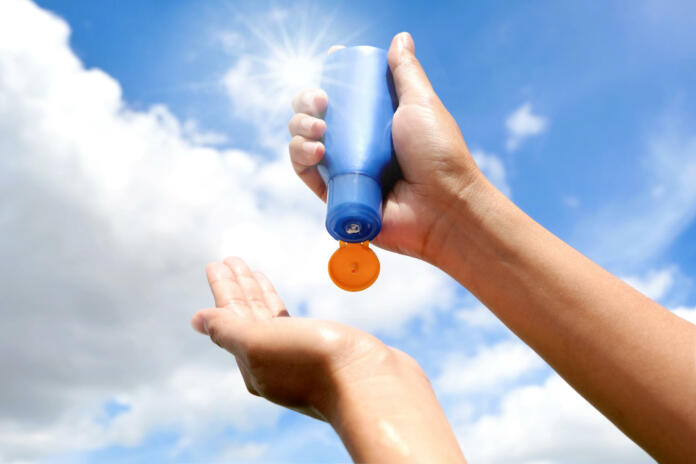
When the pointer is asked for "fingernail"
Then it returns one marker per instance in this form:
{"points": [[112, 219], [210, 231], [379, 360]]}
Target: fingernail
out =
{"points": [[309, 147], [406, 41]]}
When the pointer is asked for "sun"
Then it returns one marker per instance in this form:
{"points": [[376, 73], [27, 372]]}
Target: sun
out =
{"points": [[292, 49], [295, 71]]}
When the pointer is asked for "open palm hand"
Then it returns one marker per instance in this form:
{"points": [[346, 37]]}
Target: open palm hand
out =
{"points": [[294, 362]]}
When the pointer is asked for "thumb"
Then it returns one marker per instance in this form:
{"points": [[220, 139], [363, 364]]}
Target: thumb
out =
{"points": [[223, 326], [410, 82]]}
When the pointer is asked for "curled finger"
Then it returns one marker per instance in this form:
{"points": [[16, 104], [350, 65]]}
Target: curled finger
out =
{"points": [[307, 126], [310, 101], [305, 153]]}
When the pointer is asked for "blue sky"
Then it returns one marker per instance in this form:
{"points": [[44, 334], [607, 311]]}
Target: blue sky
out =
{"points": [[603, 74], [143, 139]]}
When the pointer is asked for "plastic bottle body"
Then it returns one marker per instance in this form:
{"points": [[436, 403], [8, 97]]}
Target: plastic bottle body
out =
{"points": [[358, 142]]}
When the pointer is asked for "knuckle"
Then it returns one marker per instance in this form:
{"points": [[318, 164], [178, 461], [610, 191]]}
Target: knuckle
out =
{"points": [[293, 123], [295, 144]]}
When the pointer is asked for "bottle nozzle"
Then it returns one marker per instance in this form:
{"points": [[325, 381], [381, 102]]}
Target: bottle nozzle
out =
{"points": [[352, 228]]}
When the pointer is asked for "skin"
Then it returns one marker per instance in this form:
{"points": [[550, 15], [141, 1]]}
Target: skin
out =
{"points": [[326, 370], [627, 355]]}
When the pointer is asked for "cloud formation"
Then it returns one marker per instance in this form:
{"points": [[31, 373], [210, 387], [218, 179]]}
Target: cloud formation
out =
{"points": [[522, 124], [494, 170], [654, 284], [108, 218], [490, 368], [502, 412], [546, 423]]}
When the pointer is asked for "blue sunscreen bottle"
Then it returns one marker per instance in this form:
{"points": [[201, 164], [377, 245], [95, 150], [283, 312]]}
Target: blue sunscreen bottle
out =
{"points": [[359, 162]]}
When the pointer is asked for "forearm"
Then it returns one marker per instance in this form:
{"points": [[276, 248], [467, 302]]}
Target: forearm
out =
{"points": [[392, 416], [631, 358]]}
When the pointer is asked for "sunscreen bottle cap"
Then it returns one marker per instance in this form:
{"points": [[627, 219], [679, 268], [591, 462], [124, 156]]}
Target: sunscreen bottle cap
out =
{"points": [[354, 266]]}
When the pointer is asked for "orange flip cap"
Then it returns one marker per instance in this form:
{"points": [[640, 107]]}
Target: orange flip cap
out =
{"points": [[354, 266]]}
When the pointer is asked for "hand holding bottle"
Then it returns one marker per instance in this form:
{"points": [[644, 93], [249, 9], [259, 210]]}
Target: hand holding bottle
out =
{"points": [[431, 152]]}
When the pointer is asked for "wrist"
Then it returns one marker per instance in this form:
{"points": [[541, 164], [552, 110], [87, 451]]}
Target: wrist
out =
{"points": [[391, 414], [360, 378], [483, 227], [461, 212]]}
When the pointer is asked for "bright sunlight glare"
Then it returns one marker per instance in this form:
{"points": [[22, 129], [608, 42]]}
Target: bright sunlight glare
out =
{"points": [[291, 52], [296, 71]]}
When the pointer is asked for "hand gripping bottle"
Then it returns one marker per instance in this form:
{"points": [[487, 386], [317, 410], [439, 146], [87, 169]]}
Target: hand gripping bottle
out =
{"points": [[359, 158]]}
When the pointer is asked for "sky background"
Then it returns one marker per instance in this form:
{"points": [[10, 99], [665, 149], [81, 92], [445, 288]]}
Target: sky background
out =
{"points": [[140, 140]]}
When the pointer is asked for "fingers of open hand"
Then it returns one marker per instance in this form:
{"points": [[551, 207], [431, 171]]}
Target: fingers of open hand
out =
{"points": [[273, 300], [226, 290], [253, 292]]}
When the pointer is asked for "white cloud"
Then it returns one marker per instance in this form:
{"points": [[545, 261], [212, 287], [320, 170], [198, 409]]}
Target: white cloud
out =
{"points": [[191, 400], [686, 313], [490, 368], [192, 133], [549, 423], [494, 170], [240, 452], [522, 124], [196, 402], [654, 284], [107, 220], [478, 316]]}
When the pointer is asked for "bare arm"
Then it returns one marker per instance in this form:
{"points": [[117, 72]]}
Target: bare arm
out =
{"points": [[377, 398], [630, 357], [393, 418]]}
